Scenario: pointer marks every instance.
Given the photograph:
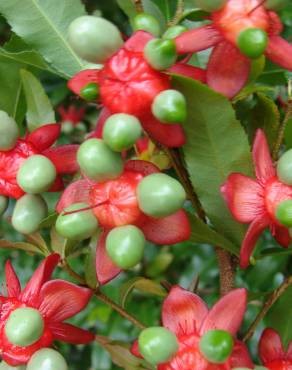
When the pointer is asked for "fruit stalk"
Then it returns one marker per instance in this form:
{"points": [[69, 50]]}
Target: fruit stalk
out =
{"points": [[267, 305], [139, 6]]}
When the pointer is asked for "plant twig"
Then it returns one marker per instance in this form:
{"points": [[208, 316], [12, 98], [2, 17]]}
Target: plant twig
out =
{"points": [[138, 6], [227, 266], [268, 304], [102, 297], [178, 14], [282, 125]]}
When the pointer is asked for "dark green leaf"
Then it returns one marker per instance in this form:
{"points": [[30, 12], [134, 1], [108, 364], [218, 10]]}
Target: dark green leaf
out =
{"points": [[127, 7], [288, 134], [217, 146]]}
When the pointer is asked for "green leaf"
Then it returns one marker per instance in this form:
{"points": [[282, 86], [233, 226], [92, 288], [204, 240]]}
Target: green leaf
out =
{"points": [[127, 7], [39, 108], [49, 221], [279, 317], [288, 134], [274, 252], [159, 264], [151, 8], [39, 241], [43, 25], [89, 268], [27, 247], [143, 285], [217, 146], [202, 233]]}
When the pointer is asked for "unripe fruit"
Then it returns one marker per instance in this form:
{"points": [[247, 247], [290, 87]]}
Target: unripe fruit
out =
{"points": [[160, 195], [90, 92], [125, 246], [146, 22], [275, 4], [157, 345], [5, 366], [3, 204], [284, 168], [28, 213], [211, 5], [47, 359], [93, 38], [216, 346], [170, 107], [8, 132], [36, 174], [121, 131], [79, 225], [284, 213], [252, 42], [160, 54], [174, 31], [24, 326], [98, 161]]}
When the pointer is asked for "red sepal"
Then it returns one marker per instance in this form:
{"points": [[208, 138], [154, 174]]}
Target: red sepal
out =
{"points": [[12, 281], [279, 51], [143, 167], [138, 41], [270, 346], [262, 159], [82, 79], [135, 349], [60, 300], [183, 312], [45, 136], [240, 356], [40, 276], [228, 70], [58, 185], [172, 136], [103, 116], [187, 70], [71, 334], [167, 230], [197, 39], [77, 192], [106, 270], [64, 158]]}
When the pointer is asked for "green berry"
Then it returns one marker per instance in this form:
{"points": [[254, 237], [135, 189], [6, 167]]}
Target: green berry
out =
{"points": [[47, 359], [36, 174], [125, 246], [252, 42], [275, 4], [160, 195], [98, 161], [94, 38], [216, 346], [157, 345], [67, 127], [284, 213], [3, 204], [160, 54], [90, 92], [174, 31], [170, 107], [79, 225], [28, 213], [211, 5], [284, 168], [146, 22], [8, 132], [121, 131], [24, 326], [5, 366]]}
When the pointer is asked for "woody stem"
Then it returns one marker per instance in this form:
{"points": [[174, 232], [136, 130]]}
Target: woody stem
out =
{"points": [[267, 305], [138, 6]]}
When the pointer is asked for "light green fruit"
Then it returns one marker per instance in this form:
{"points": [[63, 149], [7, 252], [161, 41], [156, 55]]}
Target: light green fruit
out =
{"points": [[47, 359], [94, 39], [121, 131], [211, 5], [36, 174], [284, 212], [160, 54], [157, 345], [216, 346], [77, 226], [24, 326], [146, 22], [3, 204], [8, 132], [125, 246], [284, 168], [174, 31], [90, 92], [28, 213], [160, 195], [252, 42], [98, 161], [170, 107], [5, 366]]}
